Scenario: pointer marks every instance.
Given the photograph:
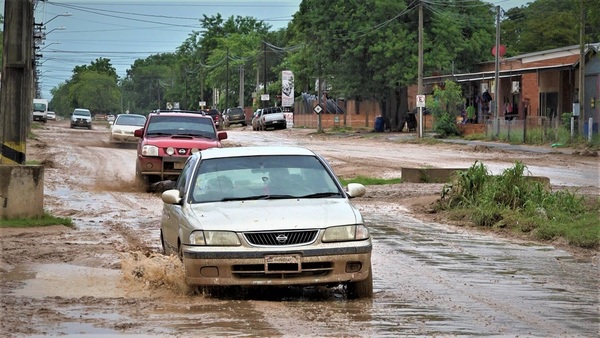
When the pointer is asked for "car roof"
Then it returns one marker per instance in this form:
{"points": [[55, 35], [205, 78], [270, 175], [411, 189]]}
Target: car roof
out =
{"points": [[179, 113], [136, 115], [253, 151]]}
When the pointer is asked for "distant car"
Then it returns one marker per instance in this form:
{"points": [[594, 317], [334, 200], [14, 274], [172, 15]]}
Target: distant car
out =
{"points": [[271, 117], [81, 117], [168, 139], [123, 127], [215, 114], [110, 118], [256, 119], [234, 116], [51, 116], [266, 216]]}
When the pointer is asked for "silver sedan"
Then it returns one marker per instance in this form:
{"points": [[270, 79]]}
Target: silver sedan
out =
{"points": [[265, 216]]}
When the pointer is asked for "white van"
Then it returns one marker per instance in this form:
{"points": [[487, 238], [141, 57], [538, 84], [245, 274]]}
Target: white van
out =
{"points": [[40, 110]]}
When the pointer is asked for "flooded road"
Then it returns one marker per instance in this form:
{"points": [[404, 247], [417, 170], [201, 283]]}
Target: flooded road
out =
{"points": [[106, 277]]}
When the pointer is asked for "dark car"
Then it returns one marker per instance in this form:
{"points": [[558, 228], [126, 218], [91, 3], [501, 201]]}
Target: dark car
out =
{"points": [[234, 116], [215, 114], [168, 139]]}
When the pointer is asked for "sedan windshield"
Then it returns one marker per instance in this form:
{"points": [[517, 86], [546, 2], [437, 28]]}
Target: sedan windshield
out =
{"points": [[263, 177]]}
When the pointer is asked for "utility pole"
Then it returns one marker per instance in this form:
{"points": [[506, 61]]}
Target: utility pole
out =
{"points": [[420, 69], [264, 70], [227, 79], [496, 122], [16, 102], [242, 85], [581, 96]]}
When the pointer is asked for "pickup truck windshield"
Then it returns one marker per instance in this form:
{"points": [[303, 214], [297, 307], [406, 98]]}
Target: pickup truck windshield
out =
{"points": [[180, 125]]}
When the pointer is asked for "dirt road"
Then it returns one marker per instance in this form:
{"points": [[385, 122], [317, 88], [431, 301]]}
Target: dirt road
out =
{"points": [[106, 277]]}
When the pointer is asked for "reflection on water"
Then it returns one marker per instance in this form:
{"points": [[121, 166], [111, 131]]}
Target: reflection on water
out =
{"points": [[478, 284]]}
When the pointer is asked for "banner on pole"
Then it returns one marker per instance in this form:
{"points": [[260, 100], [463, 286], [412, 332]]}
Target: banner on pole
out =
{"points": [[287, 88]]}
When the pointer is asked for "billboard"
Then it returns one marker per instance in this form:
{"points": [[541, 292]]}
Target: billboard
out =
{"points": [[287, 88]]}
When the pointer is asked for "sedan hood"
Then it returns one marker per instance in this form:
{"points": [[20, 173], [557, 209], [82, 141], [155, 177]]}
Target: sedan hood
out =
{"points": [[260, 215]]}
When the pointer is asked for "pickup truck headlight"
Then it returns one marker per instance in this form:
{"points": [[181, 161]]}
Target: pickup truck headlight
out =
{"points": [[149, 150], [346, 233], [214, 238]]}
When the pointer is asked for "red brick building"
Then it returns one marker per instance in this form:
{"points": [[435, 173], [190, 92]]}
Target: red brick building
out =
{"points": [[543, 84]]}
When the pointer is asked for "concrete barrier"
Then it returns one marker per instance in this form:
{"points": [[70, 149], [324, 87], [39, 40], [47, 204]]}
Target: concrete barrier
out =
{"points": [[21, 191], [429, 175]]}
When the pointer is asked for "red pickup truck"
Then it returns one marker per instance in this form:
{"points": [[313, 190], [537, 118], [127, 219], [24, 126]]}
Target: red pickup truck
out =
{"points": [[168, 139]]}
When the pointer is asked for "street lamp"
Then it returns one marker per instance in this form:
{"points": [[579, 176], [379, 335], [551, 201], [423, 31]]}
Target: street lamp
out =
{"points": [[61, 28], [48, 45], [45, 23]]}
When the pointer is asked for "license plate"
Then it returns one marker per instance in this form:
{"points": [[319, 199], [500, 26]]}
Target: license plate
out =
{"points": [[283, 264], [178, 165]]}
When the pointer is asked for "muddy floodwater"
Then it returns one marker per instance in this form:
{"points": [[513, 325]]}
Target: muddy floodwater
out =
{"points": [[106, 277]]}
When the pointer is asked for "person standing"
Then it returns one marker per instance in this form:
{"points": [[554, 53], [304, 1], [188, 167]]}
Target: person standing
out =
{"points": [[471, 114]]}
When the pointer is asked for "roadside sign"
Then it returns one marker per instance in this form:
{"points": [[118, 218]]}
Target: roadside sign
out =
{"points": [[169, 105], [318, 109], [420, 100], [264, 97], [202, 103]]}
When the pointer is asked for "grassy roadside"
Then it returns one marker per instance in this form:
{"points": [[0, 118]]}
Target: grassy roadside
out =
{"points": [[46, 220], [515, 203]]}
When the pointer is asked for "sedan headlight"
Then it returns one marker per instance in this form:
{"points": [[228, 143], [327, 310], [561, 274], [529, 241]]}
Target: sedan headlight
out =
{"points": [[214, 238], [148, 150], [346, 233]]}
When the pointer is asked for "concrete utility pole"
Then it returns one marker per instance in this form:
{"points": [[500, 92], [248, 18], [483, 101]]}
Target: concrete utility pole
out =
{"points": [[581, 96], [226, 80], [242, 86], [420, 68], [496, 123], [21, 186], [16, 100]]}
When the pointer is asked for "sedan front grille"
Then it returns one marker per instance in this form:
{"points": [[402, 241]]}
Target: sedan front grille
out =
{"points": [[281, 238]]}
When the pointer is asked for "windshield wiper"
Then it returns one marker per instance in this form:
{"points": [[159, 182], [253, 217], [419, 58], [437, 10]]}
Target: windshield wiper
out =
{"points": [[321, 195], [193, 135], [258, 197]]}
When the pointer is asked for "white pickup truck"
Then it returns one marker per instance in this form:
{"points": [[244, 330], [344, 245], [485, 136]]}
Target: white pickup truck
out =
{"points": [[271, 117], [40, 110]]}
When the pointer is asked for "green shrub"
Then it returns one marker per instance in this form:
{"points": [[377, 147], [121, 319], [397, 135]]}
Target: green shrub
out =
{"points": [[512, 200]]}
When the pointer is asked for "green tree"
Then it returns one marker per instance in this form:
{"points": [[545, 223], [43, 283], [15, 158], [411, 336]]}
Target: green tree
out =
{"points": [[92, 86], [95, 91], [548, 24], [149, 82], [369, 49], [61, 101], [445, 104], [101, 65]]}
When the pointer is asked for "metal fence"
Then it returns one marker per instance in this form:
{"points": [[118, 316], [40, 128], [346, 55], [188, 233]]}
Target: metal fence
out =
{"points": [[534, 129]]}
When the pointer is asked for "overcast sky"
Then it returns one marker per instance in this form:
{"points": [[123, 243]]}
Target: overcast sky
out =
{"points": [[126, 30]]}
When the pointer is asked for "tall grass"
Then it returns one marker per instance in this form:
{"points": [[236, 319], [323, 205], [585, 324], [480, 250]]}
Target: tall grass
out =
{"points": [[512, 200]]}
